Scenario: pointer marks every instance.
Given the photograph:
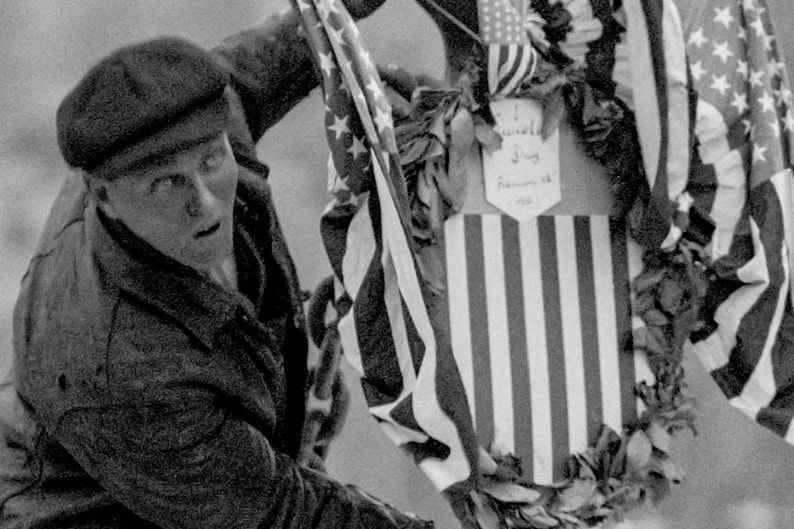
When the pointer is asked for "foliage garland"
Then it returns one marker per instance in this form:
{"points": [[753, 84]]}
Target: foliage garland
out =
{"points": [[622, 469]]}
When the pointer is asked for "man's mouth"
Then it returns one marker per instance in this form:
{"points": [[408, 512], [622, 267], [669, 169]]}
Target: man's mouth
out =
{"points": [[209, 231]]}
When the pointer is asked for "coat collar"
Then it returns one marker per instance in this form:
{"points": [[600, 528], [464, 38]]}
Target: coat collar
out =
{"points": [[193, 300]]}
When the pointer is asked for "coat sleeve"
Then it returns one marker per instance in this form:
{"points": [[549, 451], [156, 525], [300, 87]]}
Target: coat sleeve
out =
{"points": [[272, 69], [187, 462], [272, 65]]}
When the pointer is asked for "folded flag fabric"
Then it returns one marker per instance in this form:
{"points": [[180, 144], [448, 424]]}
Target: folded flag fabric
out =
{"points": [[741, 179], [661, 100], [734, 184], [540, 311], [519, 33], [511, 56], [409, 377]]}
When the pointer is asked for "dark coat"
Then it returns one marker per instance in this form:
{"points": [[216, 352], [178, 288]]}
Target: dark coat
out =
{"points": [[144, 391]]}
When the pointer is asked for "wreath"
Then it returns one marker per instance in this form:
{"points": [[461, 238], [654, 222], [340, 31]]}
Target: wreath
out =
{"points": [[434, 130]]}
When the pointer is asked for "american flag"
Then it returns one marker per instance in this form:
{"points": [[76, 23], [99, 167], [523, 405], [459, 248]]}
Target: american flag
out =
{"points": [[409, 376], [737, 187], [513, 31], [658, 83], [741, 170], [541, 323], [511, 56]]}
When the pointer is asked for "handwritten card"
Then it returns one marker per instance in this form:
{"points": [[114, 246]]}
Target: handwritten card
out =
{"points": [[522, 178]]}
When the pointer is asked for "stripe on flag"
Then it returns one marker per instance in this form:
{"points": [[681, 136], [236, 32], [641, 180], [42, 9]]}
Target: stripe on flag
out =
{"points": [[511, 56], [409, 379], [660, 93], [508, 66], [741, 182], [541, 331]]}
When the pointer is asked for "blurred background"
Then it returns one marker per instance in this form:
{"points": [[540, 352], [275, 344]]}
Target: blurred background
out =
{"points": [[739, 477]]}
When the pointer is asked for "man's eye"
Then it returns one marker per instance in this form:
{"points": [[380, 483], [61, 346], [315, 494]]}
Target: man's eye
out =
{"points": [[214, 157], [164, 184]]}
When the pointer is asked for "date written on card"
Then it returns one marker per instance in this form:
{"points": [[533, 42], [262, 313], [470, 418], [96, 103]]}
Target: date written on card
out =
{"points": [[522, 178]]}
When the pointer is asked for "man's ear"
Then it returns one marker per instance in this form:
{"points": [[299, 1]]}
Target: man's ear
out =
{"points": [[98, 189]]}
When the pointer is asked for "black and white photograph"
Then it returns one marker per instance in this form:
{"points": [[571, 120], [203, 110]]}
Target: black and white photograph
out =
{"points": [[396, 264]]}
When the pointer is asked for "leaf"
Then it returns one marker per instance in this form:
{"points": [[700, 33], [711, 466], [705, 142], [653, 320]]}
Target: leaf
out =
{"points": [[508, 469], [598, 500], [577, 495], [655, 341], [485, 462], [658, 487], [539, 517], [618, 466], [585, 468], [487, 137], [497, 450], [426, 191], [655, 318], [417, 149], [436, 150], [671, 295], [603, 513], [510, 492], [438, 128], [638, 453], [640, 338], [553, 110], [643, 303], [518, 523], [426, 99], [659, 437], [430, 259], [666, 467], [486, 517], [452, 183], [461, 130], [569, 518], [647, 280], [607, 438], [683, 325]]}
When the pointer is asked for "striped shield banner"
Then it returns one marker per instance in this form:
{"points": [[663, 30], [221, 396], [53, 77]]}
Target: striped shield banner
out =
{"points": [[541, 326]]}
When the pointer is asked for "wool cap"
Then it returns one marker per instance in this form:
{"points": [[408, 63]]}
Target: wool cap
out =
{"points": [[143, 100]]}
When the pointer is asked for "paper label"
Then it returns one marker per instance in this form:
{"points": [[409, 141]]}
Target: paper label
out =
{"points": [[522, 178]]}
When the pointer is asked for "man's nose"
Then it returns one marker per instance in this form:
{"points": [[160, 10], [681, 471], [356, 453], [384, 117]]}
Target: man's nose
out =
{"points": [[201, 199]]}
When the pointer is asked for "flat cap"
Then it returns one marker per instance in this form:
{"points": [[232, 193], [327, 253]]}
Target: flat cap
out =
{"points": [[142, 100]]}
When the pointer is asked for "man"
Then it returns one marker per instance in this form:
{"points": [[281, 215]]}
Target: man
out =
{"points": [[159, 342]]}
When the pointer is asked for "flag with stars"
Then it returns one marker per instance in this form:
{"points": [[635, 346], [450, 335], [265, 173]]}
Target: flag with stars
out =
{"points": [[517, 34], [409, 376], [733, 185], [740, 180], [511, 56]]}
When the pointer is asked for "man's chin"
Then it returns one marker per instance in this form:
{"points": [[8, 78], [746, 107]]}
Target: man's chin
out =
{"points": [[207, 258]]}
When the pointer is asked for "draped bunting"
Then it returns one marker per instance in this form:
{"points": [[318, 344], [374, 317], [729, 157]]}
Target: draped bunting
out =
{"points": [[658, 66], [741, 179], [712, 109], [410, 380], [733, 185]]}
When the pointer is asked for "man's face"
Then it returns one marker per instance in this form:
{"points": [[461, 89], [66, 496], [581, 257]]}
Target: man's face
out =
{"points": [[182, 204]]}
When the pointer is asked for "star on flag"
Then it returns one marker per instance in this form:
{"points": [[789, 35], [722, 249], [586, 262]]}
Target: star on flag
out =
{"points": [[741, 72], [739, 176], [366, 232]]}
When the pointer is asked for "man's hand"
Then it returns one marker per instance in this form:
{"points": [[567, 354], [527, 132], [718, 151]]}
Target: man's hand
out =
{"points": [[362, 8]]}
